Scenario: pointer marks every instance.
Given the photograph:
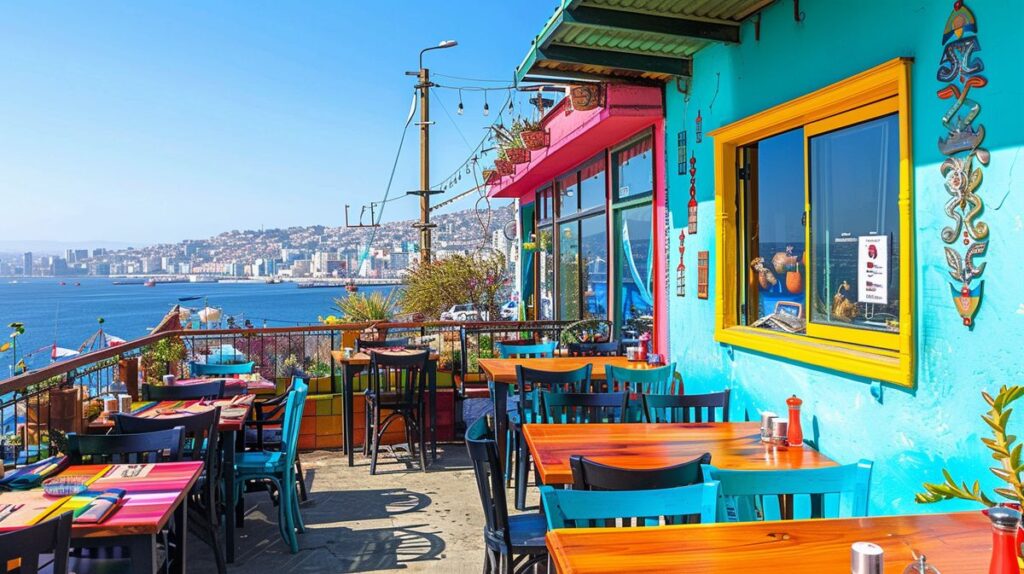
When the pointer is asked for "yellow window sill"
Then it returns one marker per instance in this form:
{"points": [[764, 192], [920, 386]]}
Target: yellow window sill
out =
{"points": [[869, 363]]}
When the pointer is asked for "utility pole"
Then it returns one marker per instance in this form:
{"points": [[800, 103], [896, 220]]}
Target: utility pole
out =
{"points": [[425, 225]]}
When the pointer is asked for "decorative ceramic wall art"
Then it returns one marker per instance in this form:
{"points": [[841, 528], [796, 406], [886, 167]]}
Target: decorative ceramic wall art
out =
{"points": [[702, 274], [681, 268], [960, 70], [681, 154], [692, 206]]}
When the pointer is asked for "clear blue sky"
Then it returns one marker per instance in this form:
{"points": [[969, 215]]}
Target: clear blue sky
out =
{"points": [[146, 122]]}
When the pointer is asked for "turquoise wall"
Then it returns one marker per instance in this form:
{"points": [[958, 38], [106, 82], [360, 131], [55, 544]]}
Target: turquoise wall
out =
{"points": [[910, 434]]}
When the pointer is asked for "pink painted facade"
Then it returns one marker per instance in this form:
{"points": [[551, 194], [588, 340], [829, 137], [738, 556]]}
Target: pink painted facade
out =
{"points": [[578, 136]]}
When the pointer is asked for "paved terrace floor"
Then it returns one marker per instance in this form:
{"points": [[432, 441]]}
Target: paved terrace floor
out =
{"points": [[400, 520]]}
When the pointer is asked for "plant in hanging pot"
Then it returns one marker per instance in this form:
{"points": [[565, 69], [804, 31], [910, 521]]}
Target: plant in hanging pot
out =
{"points": [[534, 136], [491, 176], [585, 96], [516, 152], [503, 165]]}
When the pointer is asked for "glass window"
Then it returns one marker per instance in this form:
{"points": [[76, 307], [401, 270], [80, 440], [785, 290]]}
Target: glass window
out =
{"points": [[592, 184], [774, 200], [568, 194], [634, 169], [635, 268], [545, 204], [546, 247], [594, 267], [854, 188], [568, 271]]}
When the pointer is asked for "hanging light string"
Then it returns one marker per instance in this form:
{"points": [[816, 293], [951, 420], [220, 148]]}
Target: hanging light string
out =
{"points": [[475, 154]]}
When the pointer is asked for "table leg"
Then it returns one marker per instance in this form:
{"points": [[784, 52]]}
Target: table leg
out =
{"points": [[348, 391], [432, 384], [500, 395], [177, 558], [143, 553], [228, 464]]}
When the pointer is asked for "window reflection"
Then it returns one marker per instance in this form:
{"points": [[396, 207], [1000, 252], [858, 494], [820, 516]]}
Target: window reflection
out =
{"points": [[635, 270], [594, 267]]}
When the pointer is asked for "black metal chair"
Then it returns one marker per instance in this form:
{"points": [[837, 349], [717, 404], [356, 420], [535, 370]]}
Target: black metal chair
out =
{"points": [[590, 475], [264, 428], [201, 444], [511, 543], [48, 543], [530, 383], [211, 390], [686, 408], [580, 408], [397, 383], [607, 349], [365, 344], [157, 446]]}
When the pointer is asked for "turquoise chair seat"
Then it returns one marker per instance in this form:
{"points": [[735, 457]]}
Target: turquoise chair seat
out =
{"points": [[263, 461]]}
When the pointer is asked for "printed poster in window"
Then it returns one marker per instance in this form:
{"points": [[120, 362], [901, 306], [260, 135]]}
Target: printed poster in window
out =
{"points": [[873, 269]]}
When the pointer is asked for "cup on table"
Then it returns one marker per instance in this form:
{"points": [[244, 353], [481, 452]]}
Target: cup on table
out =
{"points": [[170, 379]]}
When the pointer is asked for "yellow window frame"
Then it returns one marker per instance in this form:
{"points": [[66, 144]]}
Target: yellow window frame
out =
{"points": [[887, 357]]}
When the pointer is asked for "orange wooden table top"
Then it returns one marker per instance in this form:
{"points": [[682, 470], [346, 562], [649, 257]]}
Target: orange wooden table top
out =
{"points": [[632, 445], [504, 370], [958, 542], [364, 358]]}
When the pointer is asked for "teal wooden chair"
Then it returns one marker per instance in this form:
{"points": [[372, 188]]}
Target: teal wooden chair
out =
{"points": [[278, 467], [533, 351], [658, 381], [687, 408], [219, 370], [835, 492], [602, 508]]}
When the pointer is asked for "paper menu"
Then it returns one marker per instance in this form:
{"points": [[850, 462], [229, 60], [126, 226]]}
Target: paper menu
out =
{"points": [[873, 269]]}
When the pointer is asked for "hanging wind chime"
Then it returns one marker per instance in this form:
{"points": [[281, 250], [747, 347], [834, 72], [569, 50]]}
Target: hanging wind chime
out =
{"points": [[692, 206], [681, 268], [960, 70]]}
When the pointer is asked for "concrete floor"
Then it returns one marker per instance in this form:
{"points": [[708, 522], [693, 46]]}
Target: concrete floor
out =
{"points": [[398, 520]]}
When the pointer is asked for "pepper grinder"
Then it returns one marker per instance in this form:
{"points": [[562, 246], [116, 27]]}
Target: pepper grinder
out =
{"points": [[796, 434], [1005, 522]]}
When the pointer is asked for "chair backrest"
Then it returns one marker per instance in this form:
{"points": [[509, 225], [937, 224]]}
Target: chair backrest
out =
{"points": [[403, 375], [834, 492], [200, 432], [590, 475], [26, 545], [687, 408], [211, 390], [601, 508], [532, 351], [268, 414], [577, 408], [608, 349], [531, 382], [656, 380], [364, 344], [220, 370], [293, 420], [490, 483], [157, 446]]}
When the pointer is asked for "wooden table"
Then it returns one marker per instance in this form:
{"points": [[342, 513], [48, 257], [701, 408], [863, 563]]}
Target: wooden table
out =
{"points": [[232, 440], [236, 385], [353, 365], [148, 505], [632, 445], [958, 543], [504, 371]]}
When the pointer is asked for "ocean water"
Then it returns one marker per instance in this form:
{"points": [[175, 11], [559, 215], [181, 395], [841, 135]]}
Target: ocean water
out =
{"points": [[67, 314]]}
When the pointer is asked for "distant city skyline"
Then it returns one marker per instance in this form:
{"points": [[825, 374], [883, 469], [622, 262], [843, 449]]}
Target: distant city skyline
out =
{"points": [[142, 124]]}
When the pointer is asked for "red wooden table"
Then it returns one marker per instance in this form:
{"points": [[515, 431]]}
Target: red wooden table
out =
{"points": [[147, 507]]}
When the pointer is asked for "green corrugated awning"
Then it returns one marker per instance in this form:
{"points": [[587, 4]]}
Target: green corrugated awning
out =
{"points": [[651, 40]]}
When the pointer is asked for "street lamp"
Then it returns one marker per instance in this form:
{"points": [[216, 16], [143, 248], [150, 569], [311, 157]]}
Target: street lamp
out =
{"points": [[424, 86]]}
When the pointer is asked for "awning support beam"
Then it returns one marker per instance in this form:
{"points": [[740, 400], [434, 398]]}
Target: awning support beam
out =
{"points": [[620, 60], [637, 22]]}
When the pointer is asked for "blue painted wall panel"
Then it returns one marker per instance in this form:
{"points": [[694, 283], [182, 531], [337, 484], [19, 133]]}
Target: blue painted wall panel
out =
{"points": [[911, 435]]}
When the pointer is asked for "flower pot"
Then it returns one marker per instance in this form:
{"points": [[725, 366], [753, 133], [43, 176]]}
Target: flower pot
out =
{"points": [[491, 176], [585, 97], [534, 139], [504, 167], [517, 155]]}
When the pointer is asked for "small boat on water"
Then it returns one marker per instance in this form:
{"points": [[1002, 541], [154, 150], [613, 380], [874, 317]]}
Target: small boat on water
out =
{"points": [[351, 287], [192, 298], [149, 283]]}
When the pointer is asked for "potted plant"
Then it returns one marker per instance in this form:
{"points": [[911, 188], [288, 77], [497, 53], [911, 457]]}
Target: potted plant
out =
{"points": [[491, 176], [516, 152], [533, 134], [162, 358], [503, 165], [585, 96]]}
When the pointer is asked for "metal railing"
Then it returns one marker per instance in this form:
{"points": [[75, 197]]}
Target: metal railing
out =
{"points": [[35, 409]]}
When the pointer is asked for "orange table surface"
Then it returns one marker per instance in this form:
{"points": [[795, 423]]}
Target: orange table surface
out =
{"points": [[958, 543], [504, 370], [632, 445]]}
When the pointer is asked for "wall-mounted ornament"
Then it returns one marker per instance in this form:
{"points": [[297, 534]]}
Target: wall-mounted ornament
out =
{"points": [[681, 152], [691, 207], [681, 268], [702, 274], [960, 69], [699, 136]]}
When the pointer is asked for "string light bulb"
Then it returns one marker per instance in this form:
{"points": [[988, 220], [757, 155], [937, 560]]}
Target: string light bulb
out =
{"points": [[460, 108], [487, 109]]}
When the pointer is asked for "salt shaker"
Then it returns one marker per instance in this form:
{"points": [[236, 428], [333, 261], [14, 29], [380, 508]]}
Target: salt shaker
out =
{"points": [[780, 429], [767, 418], [866, 558]]}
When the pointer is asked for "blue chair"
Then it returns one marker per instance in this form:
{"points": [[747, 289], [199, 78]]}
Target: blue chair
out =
{"points": [[585, 408], [216, 370], [531, 383], [515, 542], [278, 467], [532, 351], [600, 508], [836, 492], [658, 380], [686, 408]]}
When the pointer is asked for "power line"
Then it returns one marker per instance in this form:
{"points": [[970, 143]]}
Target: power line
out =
{"points": [[468, 79]]}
